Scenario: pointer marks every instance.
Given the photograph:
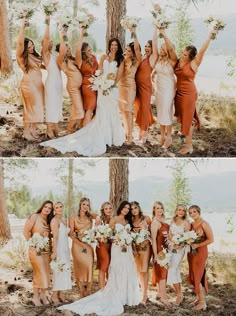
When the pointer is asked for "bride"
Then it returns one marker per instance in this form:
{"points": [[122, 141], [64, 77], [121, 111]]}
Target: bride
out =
{"points": [[122, 287], [105, 128]]}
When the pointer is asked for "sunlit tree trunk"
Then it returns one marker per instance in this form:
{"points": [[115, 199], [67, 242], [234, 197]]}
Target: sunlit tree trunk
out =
{"points": [[119, 181], [5, 232], [114, 12], [70, 187]]}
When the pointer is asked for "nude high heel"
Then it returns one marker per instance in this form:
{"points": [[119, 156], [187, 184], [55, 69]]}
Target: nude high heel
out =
{"points": [[187, 149], [200, 306]]}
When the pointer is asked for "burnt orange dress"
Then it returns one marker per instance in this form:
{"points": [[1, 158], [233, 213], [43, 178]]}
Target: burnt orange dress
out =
{"points": [[143, 112], [89, 96], [103, 251], [73, 86], [197, 264], [160, 273], [186, 97], [40, 263], [82, 253], [32, 90]]}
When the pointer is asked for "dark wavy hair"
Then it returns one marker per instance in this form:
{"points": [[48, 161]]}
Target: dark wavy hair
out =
{"points": [[50, 215], [119, 54], [135, 203], [88, 214], [192, 51], [128, 216], [26, 54]]}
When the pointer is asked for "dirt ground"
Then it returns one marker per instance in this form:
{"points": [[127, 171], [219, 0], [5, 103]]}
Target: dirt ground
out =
{"points": [[212, 140]]}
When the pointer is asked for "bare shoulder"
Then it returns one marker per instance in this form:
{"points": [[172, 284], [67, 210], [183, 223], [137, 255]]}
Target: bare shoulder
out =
{"points": [[147, 219]]}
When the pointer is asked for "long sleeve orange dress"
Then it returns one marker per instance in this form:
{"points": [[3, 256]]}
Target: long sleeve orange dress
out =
{"points": [[82, 253], [40, 263], [197, 263], [158, 272], [186, 97], [89, 96], [143, 112]]}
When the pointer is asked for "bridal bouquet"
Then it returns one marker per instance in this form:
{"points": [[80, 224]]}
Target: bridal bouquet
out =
{"points": [[58, 265], [50, 6], [156, 10], [84, 21], [39, 242], [128, 22], [21, 10], [103, 83], [89, 238], [103, 233], [175, 240], [160, 20], [190, 238], [122, 237], [140, 237], [215, 24], [163, 258]]}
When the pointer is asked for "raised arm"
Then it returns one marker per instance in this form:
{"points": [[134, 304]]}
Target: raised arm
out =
{"points": [[137, 51], [78, 54], [21, 38], [154, 56], [170, 48], [29, 225], [55, 230], [46, 37], [62, 50]]}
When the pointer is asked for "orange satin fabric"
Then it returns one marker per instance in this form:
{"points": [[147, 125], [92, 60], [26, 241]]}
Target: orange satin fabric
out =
{"points": [[197, 265], [89, 96], [143, 112], [82, 253], [158, 272], [32, 90], [73, 86], [103, 256], [40, 264], [127, 88], [186, 97]]}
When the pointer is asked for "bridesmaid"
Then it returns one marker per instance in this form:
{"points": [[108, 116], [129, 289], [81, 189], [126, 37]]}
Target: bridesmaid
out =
{"points": [[53, 85], [143, 250], [39, 222], [103, 250], [165, 87], [82, 253], [68, 65], [31, 85], [88, 65], [179, 225], [197, 262], [143, 112], [127, 85], [159, 231], [186, 95], [61, 280]]}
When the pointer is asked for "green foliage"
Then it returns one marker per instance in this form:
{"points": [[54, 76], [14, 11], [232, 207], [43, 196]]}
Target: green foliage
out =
{"points": [[231, 66]]}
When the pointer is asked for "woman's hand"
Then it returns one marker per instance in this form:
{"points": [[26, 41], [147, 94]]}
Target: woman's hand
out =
{"points": [[132, 29], [53, 256], [195, 246], [111, 76], [157, 7]]}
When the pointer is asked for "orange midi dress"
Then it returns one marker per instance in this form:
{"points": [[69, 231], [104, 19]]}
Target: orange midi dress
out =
{"points": [[73, 86], [197, 264], [186, 97], [82, 253], [89, 96], [40, 263], [143, 111], [32, 90], [160, 273], [103, 251]]}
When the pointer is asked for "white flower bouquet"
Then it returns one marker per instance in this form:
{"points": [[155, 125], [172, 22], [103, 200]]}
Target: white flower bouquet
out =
{"points": [[122, 237], [21, 10], [175, 240], [163, 258], [50, 6], [89, 238], [39, 242], [102, 83], [156, 10], [140, 237], [84, 21], [215, 25], [127, 22], [58, 265], [189, 238], [103, 233]]}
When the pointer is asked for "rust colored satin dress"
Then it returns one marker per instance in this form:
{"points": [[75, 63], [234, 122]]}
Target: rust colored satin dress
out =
{"points": [[143, 111], [89, 96], [197, 264], [32, 90], [73, 86], [82, 253], [160, 273], [186, 97], [127, 88], [40, 263], [143, 256], [103, 251]]}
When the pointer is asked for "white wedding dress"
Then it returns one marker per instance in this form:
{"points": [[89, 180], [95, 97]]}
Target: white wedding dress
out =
{"points": [[122, 288], [104, 129]]}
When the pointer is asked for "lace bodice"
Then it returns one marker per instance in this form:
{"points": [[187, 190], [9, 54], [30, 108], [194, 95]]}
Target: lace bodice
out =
{"points": [[177, 229]]}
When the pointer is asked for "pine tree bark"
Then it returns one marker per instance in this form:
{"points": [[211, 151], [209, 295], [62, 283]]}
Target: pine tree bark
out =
{"points": [[115, 10], [70, 187], [119, 181], [6, 65], [5, 232]]}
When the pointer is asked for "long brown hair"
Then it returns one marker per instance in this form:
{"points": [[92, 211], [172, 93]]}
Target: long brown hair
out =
{"points": [[50, 215], [25, 54], [88, 214], [140, 214]]}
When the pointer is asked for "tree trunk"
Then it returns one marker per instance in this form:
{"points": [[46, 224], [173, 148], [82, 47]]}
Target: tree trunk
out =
{"points": [[114, 12], [70, 187], [6, 65], [119, 181], [5, 232]]}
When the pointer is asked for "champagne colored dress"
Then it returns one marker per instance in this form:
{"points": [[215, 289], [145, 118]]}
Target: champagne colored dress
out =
{"points": [[165, 86], [186, 97], [40, 263], [197, 263], [74, 82], [82, 253], [160, 273], [32, 90], [89, 96], [143, 112]]}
